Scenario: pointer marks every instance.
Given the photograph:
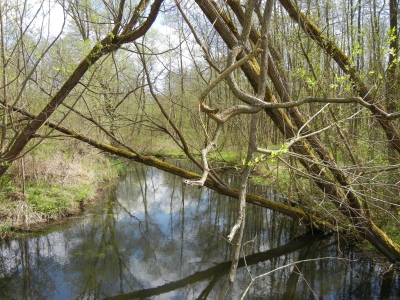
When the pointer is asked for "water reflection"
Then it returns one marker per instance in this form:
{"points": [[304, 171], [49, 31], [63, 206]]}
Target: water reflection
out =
{"points": [[154, 238]]}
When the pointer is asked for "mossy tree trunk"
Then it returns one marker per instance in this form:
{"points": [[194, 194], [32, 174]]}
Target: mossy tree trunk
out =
{"points": [[119, 36], [335, 184]]}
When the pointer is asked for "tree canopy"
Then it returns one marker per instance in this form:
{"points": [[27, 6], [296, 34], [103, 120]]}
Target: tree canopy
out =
{"points": [[305, 93]]}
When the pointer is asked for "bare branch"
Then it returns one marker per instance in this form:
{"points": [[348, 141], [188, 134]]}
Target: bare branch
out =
{"points": [[228, 71]]}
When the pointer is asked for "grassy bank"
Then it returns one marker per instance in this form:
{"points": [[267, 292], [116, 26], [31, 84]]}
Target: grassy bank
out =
{"points": [[42, 187]]}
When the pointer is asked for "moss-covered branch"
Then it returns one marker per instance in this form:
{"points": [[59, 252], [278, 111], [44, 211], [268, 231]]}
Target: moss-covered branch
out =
{"points": [[107, 45], [336, 185], [293, 212], [347, 66]]}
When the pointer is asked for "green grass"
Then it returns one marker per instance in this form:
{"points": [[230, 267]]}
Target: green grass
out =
{"points": [[54, 188], [53, 201], [5, 230], [389, 225], [261, 180], [229, 157], [169, 152], [6, 184]]}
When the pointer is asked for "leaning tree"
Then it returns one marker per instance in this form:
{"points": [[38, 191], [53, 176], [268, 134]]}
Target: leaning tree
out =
{"points": [[277, 69]]}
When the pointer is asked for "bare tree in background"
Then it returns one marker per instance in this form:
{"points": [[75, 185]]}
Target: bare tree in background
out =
{"points": [[297, 82]]}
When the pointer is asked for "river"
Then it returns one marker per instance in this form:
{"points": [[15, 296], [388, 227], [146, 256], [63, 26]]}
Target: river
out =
{"points": [[154, 238]]}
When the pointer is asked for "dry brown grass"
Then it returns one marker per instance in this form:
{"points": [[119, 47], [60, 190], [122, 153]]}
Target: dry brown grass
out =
{"points": [[58, 184], [56, 168]]}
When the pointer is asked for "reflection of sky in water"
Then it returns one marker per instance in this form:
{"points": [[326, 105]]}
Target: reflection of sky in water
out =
{"points": [[155, 232]]}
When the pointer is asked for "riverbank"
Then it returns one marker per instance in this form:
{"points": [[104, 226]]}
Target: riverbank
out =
{"points": [[42, 189], [144, 224]]}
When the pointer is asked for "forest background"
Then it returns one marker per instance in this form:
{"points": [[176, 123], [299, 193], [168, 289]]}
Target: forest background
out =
{"points": [[302, 96]]}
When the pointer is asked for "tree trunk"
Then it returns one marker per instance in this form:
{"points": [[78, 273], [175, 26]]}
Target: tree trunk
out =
{"points": [[392, 80], [347, 67], [4, 83], [337, 188], [110, 43]]}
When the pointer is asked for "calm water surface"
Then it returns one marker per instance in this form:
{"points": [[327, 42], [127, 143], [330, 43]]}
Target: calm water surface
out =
{"points": [[154, 238]]}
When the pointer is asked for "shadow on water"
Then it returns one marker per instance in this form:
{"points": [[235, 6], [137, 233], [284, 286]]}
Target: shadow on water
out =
{"points": [[155, 238]]}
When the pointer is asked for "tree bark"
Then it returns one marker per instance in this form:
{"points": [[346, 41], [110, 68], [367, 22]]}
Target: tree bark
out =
{"points": [[295, 213], [337, 188], [392, 80], [109, 44], [4, 81], [347, 67]]}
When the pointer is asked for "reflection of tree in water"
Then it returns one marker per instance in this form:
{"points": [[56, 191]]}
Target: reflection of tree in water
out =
{"points": [[96, 262], [220, 270], [161, 244], [26, 270], [156, 237]]}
